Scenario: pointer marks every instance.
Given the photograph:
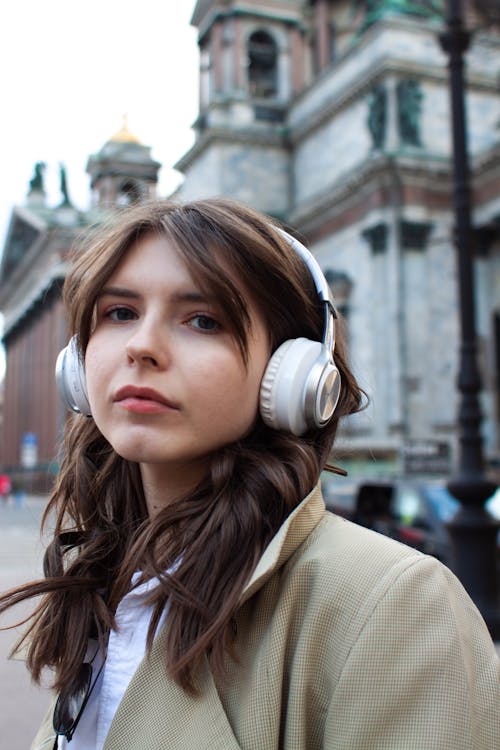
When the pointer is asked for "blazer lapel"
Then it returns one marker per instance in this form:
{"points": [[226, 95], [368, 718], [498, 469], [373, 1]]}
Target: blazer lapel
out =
{"points": [[156, 714]]}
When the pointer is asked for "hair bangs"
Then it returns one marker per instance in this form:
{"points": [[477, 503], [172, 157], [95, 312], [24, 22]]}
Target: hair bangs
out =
{"points": [[212, 266], [93, 264]]}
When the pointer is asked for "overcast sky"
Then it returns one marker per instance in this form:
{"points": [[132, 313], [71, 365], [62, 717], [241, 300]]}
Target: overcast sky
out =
{"points": [[71, 70]]}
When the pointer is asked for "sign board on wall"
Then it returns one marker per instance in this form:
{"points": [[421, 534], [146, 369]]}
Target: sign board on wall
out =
{"points": [[426, 457], [29, 450]]}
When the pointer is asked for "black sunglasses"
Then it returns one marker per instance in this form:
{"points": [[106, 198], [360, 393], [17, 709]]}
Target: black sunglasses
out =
{"points": [[72, 701]]}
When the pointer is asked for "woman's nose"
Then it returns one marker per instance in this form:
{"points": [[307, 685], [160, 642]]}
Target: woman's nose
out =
{"points": [[147, 346]]}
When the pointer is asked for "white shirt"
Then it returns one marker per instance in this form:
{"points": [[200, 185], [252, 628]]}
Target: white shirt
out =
{"points": [[126, 649]]}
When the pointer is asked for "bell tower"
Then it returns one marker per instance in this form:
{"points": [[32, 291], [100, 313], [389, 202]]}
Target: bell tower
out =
{"points": [[254, 59], [122, 172]]}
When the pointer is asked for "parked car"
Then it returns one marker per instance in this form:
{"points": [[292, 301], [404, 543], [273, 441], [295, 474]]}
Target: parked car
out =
{"points": [[413, 512], [423, 511], [427, 508]]}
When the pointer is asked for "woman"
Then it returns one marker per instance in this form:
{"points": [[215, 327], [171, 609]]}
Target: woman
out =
{"points": [[197, 594]]}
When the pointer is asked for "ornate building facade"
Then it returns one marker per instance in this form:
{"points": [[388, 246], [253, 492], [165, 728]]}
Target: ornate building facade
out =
{"points": [[333, 117]]}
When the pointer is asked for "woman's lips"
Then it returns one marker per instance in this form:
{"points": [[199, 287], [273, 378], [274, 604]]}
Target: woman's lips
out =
{"points": [[143, 400]]}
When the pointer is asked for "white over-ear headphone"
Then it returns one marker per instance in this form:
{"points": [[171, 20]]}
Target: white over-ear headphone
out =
{"points": [[70, 379], [301, 385]]}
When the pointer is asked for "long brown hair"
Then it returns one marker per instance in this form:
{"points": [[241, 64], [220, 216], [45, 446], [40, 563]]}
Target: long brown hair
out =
{"points": [[212, 538]]}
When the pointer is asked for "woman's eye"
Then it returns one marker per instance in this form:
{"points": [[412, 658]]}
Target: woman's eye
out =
{"points": [[120, 314], [204, 323]]}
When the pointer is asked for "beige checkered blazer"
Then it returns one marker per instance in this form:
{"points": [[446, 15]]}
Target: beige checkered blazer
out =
{"points": [[346, 641]]}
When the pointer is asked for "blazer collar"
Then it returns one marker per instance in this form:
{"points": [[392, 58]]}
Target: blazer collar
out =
{"points": [[295, 529]]}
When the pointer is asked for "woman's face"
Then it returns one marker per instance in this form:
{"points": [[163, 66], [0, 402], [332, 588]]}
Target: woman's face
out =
{"points": [[165, 377]]}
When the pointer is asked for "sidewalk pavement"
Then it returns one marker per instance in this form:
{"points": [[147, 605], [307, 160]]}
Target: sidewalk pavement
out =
{"points": [[22, 704]]}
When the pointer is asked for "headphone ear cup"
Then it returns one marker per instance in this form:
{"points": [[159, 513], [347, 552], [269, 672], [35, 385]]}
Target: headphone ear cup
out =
{"points": [[283, 387], [70, 379], [327, 394]]}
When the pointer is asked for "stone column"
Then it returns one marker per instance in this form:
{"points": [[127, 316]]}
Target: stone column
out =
{"points": [[239, 57], [297, 55], [323, 33], [217, 52], [392, 132]]}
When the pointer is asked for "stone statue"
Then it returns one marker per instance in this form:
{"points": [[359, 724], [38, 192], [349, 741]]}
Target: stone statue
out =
{"points": [[64, 186], [36, 182], [376, 9], [377, 115], [409, 103]]}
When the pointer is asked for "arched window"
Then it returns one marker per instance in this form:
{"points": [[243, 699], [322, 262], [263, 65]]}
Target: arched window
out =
{"points": [[262, 65], [341, 285]]}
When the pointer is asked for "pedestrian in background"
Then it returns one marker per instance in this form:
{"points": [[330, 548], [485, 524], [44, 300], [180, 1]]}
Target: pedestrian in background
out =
{"points": [[196, 592], [5, 486]]}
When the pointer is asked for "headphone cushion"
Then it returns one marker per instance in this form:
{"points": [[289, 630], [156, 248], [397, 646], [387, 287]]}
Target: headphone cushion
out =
{"points": [[282, 391]]}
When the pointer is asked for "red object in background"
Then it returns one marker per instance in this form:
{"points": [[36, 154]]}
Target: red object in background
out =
{"points": [[5, 484], [411, 536]]}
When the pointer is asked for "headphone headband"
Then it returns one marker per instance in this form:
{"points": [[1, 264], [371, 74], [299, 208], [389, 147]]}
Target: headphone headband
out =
{"points": [[321, 287], [319, 280]]}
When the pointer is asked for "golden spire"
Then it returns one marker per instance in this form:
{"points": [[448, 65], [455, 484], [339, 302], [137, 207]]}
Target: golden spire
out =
{"points": [[124, 135]]}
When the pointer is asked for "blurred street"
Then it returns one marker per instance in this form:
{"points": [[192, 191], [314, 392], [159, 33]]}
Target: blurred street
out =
{"points": [[22, 704]]}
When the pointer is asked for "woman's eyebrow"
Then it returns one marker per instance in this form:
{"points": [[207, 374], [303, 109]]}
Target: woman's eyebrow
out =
{"points": [[192, 296], [118, 291], [176, 297]]}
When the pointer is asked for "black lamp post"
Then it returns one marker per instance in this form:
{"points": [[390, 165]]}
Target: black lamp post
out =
{"points": [[473, 531]]}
